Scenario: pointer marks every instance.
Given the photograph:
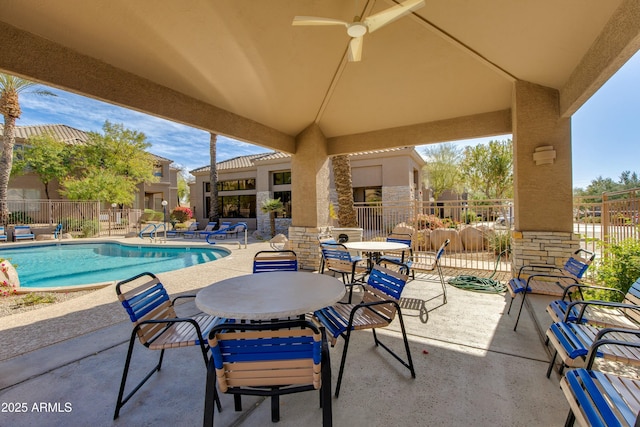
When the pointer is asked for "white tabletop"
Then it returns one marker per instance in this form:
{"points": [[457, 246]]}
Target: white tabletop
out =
{"points": [[265, 296], [372, 246]]}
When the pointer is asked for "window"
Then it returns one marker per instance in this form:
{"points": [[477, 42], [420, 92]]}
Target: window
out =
{"points": [[236, 184], [235, 206], [157, 170], [368, 195], [285, 198], [207, 187], [282, 178]]}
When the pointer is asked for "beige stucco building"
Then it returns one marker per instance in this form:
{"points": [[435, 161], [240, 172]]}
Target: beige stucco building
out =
{"points": [[148, 196], [245, 182]]}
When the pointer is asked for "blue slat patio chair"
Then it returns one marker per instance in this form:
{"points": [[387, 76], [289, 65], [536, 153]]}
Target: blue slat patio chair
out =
{"points": [[595, 312], [601, 399], [403, 256], [378, 308], [548, 279], [426, 262], [572, 342], [266, 261], [337, 259], [157, 326], [268, 359], [3, 234]]}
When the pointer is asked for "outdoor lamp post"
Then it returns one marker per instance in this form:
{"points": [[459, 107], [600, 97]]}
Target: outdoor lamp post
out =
{"points": [[164, 218]]}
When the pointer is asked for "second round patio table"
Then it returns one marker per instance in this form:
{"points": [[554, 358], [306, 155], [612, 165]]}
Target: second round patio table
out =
{"points": [[374, 249], [272, 295]]}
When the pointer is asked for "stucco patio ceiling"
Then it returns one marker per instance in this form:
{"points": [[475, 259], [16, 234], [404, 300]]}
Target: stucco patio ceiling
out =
{"points": [[239, 68]]}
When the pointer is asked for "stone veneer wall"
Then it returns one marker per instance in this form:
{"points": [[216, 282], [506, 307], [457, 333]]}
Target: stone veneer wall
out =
{"points": [[542, 247], [304, 242], [263, 224]]}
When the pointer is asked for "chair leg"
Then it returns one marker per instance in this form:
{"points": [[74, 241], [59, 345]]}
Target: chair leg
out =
{"points": [[571, 418], [553, 360], [211, 395], [342, 362], [325, 390], [275, 408], [409, 362], [524, 295], [121, 401]]}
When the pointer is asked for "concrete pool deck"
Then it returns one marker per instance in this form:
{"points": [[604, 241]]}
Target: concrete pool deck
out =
{"points": [[472, 368]]}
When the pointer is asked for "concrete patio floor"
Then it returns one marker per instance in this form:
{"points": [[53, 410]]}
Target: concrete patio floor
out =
{"points": [[471, 367]]}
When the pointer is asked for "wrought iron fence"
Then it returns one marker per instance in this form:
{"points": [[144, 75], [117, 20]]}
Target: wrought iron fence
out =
{"points": [[80, 219]]}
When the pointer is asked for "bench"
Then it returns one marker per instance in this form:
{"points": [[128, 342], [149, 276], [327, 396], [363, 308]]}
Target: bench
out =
{"points": [[23, 232], [598, 398], [598, 313]]}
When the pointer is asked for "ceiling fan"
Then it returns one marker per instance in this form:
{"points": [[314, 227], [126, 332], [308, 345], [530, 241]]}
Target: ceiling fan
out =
{"points": [[357, 29]]}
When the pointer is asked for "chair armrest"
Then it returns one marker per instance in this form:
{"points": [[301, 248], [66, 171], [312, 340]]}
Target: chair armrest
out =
{"points": [[173, 301], [599, 303], [554, 276], [599, 341], [369, 305], [550, 267], [581, 286]]}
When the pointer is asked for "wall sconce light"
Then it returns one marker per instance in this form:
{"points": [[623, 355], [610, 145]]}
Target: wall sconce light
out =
{"points": [[544, 155]]}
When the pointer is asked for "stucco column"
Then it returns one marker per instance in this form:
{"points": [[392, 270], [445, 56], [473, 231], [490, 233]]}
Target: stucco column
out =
{"points": [[309, 194], [543, 199]]}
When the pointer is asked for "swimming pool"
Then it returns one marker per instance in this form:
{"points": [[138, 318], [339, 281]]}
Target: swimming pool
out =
{"points": [[68, 265]]}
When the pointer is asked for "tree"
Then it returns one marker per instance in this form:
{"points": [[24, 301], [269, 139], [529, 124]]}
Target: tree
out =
{"points": [[10, 89], [47, 157], [442, 169], [272, 206], [213, 179], [183, 188], [110, 166], [488, 169], [347, 216]]}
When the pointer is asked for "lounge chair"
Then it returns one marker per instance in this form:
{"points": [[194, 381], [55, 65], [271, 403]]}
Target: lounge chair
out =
{"points": [[191, 231], [208, 229], [3, 234], [23, 232]]}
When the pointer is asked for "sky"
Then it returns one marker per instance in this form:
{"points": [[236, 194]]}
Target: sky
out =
{"points": [[605, 130]]}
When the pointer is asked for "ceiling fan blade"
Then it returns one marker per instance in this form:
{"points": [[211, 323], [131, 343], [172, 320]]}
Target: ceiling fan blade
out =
{"points": [[387, 16], [355, 49], [314, 20]]}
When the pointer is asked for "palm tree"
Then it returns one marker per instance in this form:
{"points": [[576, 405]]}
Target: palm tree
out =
{"points": [[10, 88], [213, 179], [271, 206], [347, 216]]}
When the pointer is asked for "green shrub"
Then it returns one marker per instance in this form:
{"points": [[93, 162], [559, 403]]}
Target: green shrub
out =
{"points": [[499, 241], [90, 228], [430, 222], [20, 218], [619, 268]]}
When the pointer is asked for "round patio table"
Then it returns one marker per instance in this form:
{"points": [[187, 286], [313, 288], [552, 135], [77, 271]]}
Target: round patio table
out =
{"points": [[272, 295], [374, 249]]}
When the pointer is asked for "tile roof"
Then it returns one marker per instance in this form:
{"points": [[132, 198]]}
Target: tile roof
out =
{"points": [[63, 133], [251, 159]]}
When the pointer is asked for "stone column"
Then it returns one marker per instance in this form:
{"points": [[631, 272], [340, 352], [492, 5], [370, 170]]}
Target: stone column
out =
{"points": [[543, 193], [309, 194]]}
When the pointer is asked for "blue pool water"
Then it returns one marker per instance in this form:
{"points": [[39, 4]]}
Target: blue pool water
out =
{"points": [[80, 264]]}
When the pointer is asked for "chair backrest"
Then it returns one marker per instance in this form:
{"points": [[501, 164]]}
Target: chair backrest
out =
{"points": [[441, 249], [265, 261], [210, 226], [384, 284], [633, 298], [145, 298], [577, 264], [193, 226], [399, 238], [268, 354], [22, 229], [337, 257]]}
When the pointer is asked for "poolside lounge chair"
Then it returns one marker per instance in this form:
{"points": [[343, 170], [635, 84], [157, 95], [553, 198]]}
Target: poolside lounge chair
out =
{"points": [[23, 232], [268, 359], [191, 231], [157, 326], [3, 234], [208, 229]]}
